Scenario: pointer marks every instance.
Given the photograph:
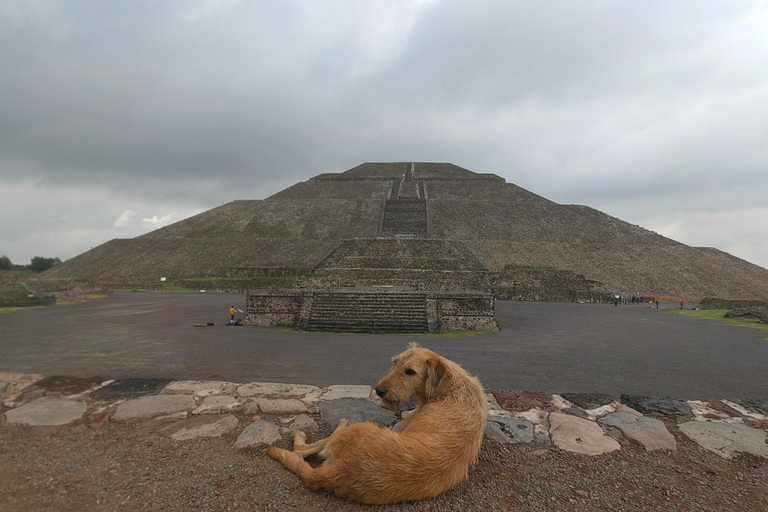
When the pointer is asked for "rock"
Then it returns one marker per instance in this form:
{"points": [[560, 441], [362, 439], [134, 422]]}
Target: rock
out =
{"points": [[258, 434], [575, 411], [754, 406], [725, 439], [579, 436], [130, 388], [47, 412], [303, 423], [759, 313], [200, 388], [509, 430], [519, 401], [251, 408], [3, 387], [659, 405], [280, 405], [275, 389], [68, 385], [588, 400], [215, 429], [344, 391], [151, 406], [356, 411], [650, 433]]}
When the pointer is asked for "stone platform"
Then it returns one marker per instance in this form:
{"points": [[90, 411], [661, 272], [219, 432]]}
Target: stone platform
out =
{"points": [[266, 413]]}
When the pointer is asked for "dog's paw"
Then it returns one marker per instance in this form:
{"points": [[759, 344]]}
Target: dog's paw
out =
{"points": [[299, 436], [343, 423]]}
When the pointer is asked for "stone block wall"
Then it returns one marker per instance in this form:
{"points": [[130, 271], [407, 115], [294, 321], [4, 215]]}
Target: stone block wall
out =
{"points": [[443, 310], [712, 303]]}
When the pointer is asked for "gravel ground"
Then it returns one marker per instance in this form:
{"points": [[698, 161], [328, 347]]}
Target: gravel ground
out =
{"points": [[103, 466]]}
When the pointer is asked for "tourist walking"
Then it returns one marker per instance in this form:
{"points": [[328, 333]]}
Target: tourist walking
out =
{"points": [[681, 303], [232, 312]]}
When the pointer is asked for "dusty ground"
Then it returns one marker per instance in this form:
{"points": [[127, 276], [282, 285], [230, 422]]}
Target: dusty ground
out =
{"points": [[103, 466]]}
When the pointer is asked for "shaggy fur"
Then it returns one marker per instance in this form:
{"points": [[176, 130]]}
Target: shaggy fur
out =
{"points": [[437, 444]]}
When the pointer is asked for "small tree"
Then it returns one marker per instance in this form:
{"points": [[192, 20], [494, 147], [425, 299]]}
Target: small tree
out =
{"points": [[5, 263], [40, 264]]}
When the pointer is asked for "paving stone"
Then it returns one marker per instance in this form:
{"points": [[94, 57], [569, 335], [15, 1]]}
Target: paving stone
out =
{"points": [[659, 406], [303, 423], [258, 434], [251, 408], [47, 412], [16, 383], [579, 435], [200, 388], [345, 391], [755, 406], [519, 401], [649, 432], [151, 406], [130, 388], [588, 400], [356, 411], [726, 439], [575, 411], [275, 389], [280, 405], [3, 387], [509, 430], [744, 411], [215, 429], [68, 385], [218, 403]]}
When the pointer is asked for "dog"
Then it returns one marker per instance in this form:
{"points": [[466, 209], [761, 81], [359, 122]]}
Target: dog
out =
{"points": [[437, 444]]}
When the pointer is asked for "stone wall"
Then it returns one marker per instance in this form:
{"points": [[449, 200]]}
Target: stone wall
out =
{"points": [[444, 310], [712, 303]]}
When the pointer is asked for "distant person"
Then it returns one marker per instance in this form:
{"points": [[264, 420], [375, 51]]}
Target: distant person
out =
{"points": [[657, 303], [681, 303], [232, 312]]}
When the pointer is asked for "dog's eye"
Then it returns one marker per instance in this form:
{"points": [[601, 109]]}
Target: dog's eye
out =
{"points": [[410, 372]]}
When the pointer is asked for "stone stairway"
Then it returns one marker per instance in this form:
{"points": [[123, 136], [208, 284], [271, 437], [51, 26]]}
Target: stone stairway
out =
{"points": [[368, 312], [337, 254], [405, 216]]}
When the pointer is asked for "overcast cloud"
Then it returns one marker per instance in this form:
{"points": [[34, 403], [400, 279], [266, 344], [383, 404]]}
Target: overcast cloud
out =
{"points": [[120, 117]]}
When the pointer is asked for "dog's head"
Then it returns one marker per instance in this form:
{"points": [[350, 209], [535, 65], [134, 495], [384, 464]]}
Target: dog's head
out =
{"points": [[416, 372]]}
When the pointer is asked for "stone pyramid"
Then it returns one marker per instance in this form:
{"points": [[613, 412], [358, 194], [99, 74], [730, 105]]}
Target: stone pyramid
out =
{"points": [[428, 217]]}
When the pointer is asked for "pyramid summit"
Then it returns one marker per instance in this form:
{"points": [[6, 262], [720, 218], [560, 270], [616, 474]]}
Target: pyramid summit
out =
{"points": [[416, 223]]}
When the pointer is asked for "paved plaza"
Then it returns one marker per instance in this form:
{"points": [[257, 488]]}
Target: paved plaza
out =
{"points": [[552, 347]]}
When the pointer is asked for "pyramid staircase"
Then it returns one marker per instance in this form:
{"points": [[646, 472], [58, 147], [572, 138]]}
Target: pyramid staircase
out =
{"points": [[368, 312]]}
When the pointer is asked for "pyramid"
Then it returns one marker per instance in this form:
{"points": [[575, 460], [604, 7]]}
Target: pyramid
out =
{"points": [[385, 221]]}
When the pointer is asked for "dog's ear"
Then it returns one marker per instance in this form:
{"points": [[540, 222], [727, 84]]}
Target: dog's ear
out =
{"points": [[413, 344], [436, 371]]}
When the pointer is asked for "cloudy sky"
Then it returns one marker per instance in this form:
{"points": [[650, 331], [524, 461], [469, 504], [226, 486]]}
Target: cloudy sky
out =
{"points": [[117, 118]]}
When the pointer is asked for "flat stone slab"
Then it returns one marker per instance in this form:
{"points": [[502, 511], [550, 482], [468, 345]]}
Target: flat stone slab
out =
{"points": [[303, 423], [47, 412], [520, 401], [130, 388], [280, 405], [356, 411], [346, 391], [200, 388], [258, 434], [275, 389], [509, 430], [725, 439], [68, 385], [659, 405], [649, 432], [579, 435], [588, 400], [755, 406], [148, 407], [575, 411], [214, 429]]}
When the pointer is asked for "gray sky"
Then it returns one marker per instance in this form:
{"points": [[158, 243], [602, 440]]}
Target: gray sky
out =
{"points": [[120, 117]]}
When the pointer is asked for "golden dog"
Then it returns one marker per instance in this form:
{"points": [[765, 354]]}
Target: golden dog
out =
{"points": [[437, 443]]}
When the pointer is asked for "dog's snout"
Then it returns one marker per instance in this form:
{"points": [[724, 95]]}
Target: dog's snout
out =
{"points": [[381, 390]]}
